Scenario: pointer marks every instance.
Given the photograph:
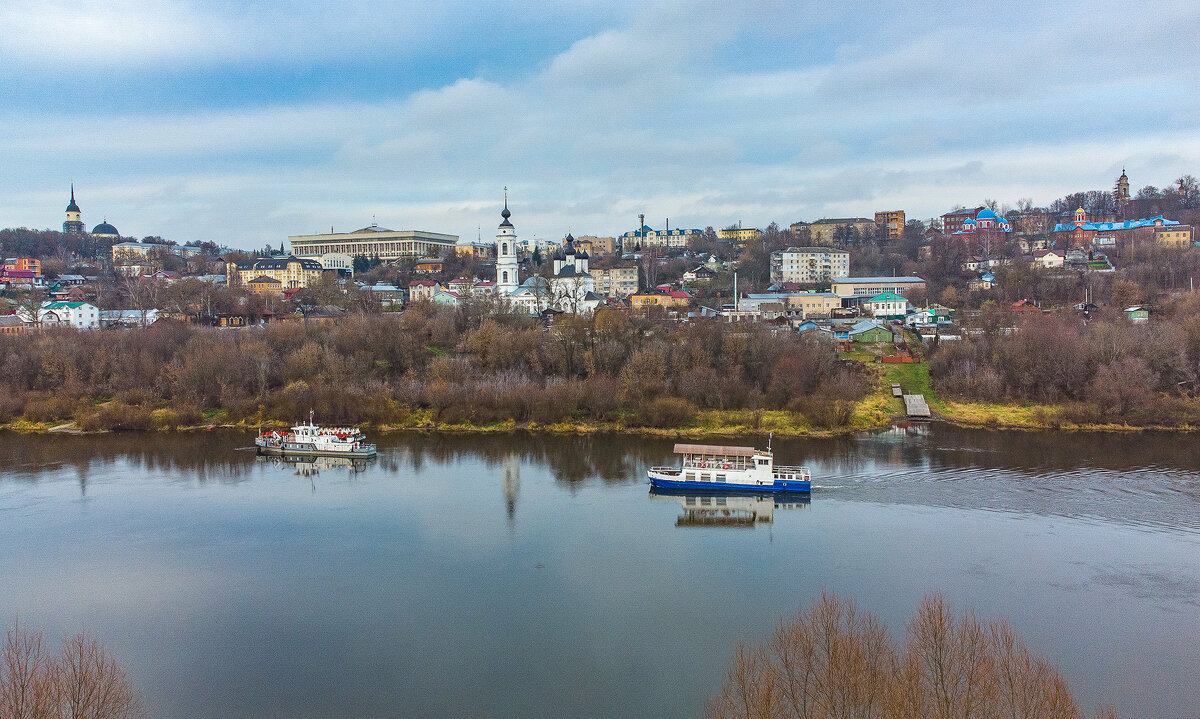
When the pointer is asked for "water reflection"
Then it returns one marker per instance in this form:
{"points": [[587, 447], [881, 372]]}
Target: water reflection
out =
{"points": [[719, 509], [311, 466]]}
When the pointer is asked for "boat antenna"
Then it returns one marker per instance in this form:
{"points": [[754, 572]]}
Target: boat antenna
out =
{"points": [[770, 436], [310, 417]]}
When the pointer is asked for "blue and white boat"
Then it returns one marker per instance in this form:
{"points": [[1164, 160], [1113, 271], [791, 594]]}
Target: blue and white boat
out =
{"points": [[729, 469]]}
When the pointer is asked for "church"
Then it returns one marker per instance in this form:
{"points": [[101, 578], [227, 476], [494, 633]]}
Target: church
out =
{"points": [[74, 222], [569, 289]]}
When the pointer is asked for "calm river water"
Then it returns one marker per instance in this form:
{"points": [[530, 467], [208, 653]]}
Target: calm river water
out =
{"points": [[531, 576]]}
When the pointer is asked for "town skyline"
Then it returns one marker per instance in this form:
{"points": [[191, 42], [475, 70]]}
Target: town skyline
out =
{"points": [[194, 123]]}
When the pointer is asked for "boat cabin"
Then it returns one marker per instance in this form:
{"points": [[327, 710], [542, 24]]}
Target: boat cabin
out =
{"points": [[710, 456]]}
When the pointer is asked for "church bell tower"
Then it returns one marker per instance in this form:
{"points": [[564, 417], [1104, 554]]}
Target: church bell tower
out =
{"points": [[74, 223], [506, 253]]}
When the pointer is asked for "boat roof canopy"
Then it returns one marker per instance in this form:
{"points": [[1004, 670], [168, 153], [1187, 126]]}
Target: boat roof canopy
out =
{"points": [[717, 449]]}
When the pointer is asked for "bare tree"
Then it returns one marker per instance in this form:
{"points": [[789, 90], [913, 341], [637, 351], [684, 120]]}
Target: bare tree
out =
{"points": [[83, 682]]}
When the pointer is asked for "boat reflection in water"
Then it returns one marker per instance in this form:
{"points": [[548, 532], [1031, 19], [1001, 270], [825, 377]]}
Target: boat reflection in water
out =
{"points": [[714, 509], [307, 465]]}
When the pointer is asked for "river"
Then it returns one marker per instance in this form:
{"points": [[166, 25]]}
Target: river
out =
{"points": [[535, 576]]}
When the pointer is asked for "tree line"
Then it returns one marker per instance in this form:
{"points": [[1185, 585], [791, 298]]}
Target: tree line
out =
{"points": [[464, 365]]}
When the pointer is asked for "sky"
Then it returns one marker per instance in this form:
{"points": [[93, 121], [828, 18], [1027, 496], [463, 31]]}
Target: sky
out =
{"points": [[245, 122]]}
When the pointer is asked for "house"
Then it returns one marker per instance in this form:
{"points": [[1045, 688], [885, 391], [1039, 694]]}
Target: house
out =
{"points": [[445, 299], [13, 325], [699, 274], [423, 289], [888, 306], [1048, 259], [460, 286], [1025, 307], [128, 318], [643, 301], [80, 315], [983, 282], [263, 285], [242, 317], [428, 265], [20, 279], [931, 315], [1137, 314], [869, 331], [388, 295]]}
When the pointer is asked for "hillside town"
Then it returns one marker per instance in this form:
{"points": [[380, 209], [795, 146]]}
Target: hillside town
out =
{"points": [[846, 278]]}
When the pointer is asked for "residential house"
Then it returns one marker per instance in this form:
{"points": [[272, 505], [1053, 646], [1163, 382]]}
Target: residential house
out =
{"points": [[80, 315], [887, 306], [263, 285], [242, 317], [1048, 259], [128, 318], [1137, 314], [32, 264], [983, 282], [869, 331], [700, 273], [13, 325], [423, 290], [738, 235], [643, 301], [428, 265]]}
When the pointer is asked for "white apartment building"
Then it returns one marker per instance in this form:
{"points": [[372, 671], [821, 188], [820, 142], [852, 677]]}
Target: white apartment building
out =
{"points": [[809, 264], [616, 282]]}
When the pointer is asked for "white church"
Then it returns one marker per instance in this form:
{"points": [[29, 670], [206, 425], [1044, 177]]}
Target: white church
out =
{"points": [[570, 289]]}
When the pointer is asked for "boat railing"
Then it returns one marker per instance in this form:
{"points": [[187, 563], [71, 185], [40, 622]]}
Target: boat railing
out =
{"points": [[672, 471], [787, 469]]}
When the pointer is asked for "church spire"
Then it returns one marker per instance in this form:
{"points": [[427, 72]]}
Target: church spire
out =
{"points": [[72, 207], [505, 213]]}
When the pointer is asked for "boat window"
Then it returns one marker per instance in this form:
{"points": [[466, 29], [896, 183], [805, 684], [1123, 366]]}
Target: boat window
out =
{"points": [[706, 501], [720, 478], [689, 500], [691, 476], [720, 501]]}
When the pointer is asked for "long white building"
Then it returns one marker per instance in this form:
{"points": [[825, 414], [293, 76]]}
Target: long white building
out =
{"points": [[375, 241]]}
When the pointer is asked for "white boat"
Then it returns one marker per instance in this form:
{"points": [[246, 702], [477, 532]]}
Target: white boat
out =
{"points": [[309, 439], [730, 469]]}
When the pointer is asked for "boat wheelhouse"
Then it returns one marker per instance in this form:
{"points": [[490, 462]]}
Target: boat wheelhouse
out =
{"points": [[729, 468], [311, 440]]}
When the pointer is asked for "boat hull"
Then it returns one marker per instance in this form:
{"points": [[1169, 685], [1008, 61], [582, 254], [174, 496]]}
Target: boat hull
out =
{"points": [[779, 485], [290, 449]]}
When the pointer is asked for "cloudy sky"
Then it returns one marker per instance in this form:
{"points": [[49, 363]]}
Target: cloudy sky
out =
{"points": [[244, 122]]}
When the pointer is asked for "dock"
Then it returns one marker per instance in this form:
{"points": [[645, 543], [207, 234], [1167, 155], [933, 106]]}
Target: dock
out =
{"points": [[915, 406], [896, 391]]}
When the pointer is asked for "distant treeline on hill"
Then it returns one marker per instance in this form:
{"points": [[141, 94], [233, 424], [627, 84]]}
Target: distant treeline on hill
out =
{"points": [[454, 366]]}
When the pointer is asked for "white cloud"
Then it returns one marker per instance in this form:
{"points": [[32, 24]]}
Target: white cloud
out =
{"points": [[660, 114]]}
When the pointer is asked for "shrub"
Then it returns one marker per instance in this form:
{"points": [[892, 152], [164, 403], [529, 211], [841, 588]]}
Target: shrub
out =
{"points": [[666, 413]]}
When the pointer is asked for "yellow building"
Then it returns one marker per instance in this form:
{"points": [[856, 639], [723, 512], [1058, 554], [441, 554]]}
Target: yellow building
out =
{"points": [[824, 232], [290, 271], [643, 301], [890, 223], [739, 234], [476, 249], [1174, 235], [264, 285], [594, 244], [813, 304]]}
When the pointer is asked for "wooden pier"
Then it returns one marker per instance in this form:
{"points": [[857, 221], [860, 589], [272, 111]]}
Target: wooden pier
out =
{"points": [[916, 407]]}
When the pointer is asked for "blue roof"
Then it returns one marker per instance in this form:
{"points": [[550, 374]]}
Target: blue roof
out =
{"points": [[985, 214], [1115, 226]]}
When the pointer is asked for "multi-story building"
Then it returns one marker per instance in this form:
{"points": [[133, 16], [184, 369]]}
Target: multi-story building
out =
{"points": [[648, 238], [1174, 235], [809, 264], [1084, 232], [32, 264], [954, 220], [739, 235], [596, 245], [890, 224], [423, 290], [80, 315], [825, 231], [339, 261], [871, 286], [616, 281], [375, 241], [264, 285], [291, 271], [475, 248]]}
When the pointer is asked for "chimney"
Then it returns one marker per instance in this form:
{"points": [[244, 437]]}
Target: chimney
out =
{"points": [[668, 224]]}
